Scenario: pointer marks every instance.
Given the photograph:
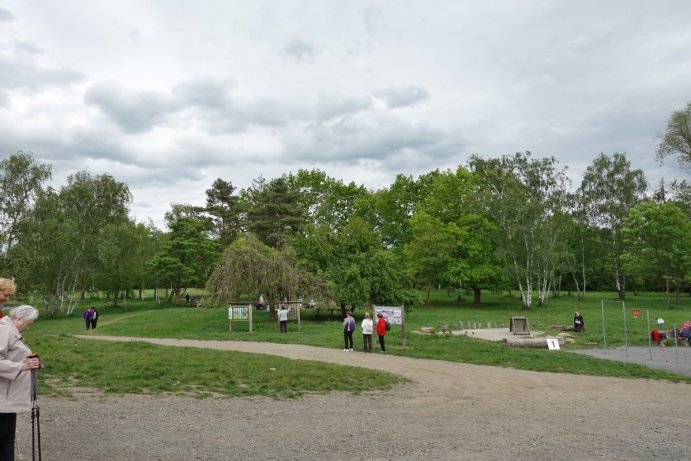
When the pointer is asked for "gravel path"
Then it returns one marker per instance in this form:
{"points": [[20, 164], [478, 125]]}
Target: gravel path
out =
{"points": [[447, 411]]}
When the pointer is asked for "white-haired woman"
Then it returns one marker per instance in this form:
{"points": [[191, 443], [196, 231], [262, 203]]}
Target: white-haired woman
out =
{"points": [[16, 362]]}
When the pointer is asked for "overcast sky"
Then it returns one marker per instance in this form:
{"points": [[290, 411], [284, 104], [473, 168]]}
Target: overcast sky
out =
{"points": [[167, 96]]}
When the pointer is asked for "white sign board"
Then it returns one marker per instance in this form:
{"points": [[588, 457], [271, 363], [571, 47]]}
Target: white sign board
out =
{"points": [[393, 314], [553, 344]]}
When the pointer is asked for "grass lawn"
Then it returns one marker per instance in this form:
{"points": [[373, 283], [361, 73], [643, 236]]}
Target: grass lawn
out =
{"points": [[148, 368]]}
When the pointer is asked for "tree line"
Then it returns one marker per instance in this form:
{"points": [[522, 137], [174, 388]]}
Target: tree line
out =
{"points": [[512, 222]]}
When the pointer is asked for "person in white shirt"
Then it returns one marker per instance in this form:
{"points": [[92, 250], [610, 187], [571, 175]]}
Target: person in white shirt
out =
{"points": [[367, 327], [283, 318]]}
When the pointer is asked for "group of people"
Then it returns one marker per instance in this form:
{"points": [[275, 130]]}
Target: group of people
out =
{"points": [[16, 363], [90, 317], [684, 332], [368, 328]]}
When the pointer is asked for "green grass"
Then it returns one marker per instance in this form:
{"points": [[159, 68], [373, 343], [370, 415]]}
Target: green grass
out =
{"points": [[147, 368]]}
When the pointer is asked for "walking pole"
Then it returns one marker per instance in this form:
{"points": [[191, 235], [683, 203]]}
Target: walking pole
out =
{"points": [[35, 417]]}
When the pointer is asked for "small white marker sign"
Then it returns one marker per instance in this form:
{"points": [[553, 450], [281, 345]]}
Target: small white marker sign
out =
{"points": [[553, 344]]}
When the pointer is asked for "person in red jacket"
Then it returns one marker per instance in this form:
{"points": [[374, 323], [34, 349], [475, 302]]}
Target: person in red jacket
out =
{"points": [[381, 331]]}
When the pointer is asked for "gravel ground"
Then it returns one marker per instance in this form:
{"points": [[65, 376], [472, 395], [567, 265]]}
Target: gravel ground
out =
{"points": [[446, 411]]}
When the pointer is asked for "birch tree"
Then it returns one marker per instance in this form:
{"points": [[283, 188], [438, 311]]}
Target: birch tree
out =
{"points": [[522, 196], [609, 191]]}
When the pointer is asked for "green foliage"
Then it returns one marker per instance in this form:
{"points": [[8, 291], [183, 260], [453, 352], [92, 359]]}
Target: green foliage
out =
{"points": [[249, 268], [186, 257], [60, 239], [676, 141], [225, 210], [522, 195], [328, 201], [608, 192], [657, 238], [274, 211], [21, 182]]}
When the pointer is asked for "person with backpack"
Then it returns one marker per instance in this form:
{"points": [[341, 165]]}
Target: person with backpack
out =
{"points": [[348, 329], [382, 328]]}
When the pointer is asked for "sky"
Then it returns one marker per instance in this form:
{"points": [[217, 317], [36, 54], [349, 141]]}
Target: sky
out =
{"points": [[167, 96]]}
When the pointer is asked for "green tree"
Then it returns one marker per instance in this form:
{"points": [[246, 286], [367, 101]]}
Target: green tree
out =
{"points": [[676, 141], [59, 240], [429, 254], [608, 191], [249, 268], [389, 210], [187, 256], [21, 180], [118, 265], [327, 201], [473, 259], [225, 211], [657, 238], [274, 212], [521, 195]]}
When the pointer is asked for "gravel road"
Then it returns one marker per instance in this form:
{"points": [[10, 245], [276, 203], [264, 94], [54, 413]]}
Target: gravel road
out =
{"points": [[446, 411]]}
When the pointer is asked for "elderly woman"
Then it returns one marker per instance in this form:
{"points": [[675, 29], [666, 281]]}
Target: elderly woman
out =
{"points": [[16, 361], [7, 289]]}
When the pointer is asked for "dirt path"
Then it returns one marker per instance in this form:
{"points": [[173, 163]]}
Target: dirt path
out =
{"points": [[447, 411]]}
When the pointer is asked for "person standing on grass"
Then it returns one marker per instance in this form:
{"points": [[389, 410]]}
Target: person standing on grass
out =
{"points": [[16, 363], [86, 316], [94, 317], [348, 329], [367, 327], [283, 318], [381, 331]]}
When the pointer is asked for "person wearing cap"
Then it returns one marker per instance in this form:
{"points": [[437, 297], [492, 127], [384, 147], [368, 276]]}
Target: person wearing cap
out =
{"points": [[381, 331], [16, 362]]}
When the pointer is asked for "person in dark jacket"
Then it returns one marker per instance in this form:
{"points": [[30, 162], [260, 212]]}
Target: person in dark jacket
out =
{"points": [[578, 324], [87, 316], [348, 329]]}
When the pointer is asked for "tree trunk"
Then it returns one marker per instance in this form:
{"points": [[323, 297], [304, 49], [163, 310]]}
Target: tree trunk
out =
{"points": [[476, 292]]}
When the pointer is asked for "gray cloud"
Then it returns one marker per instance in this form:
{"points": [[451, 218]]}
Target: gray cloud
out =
{"points": [[20, 70], [329, 106], [402, 96], [133, 111], [300, 50], [371, 136], [206, 101], [364, 90], [211, 93], [6, 15]]}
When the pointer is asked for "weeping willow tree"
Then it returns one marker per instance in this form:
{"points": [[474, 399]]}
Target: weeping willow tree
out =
{"points": [[249, 268]]}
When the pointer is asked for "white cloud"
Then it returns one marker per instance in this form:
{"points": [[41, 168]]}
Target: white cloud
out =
{"points": [[168, 96]]}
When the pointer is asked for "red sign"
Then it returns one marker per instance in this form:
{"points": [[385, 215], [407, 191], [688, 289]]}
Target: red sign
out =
{"points": [[636, 313]]}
